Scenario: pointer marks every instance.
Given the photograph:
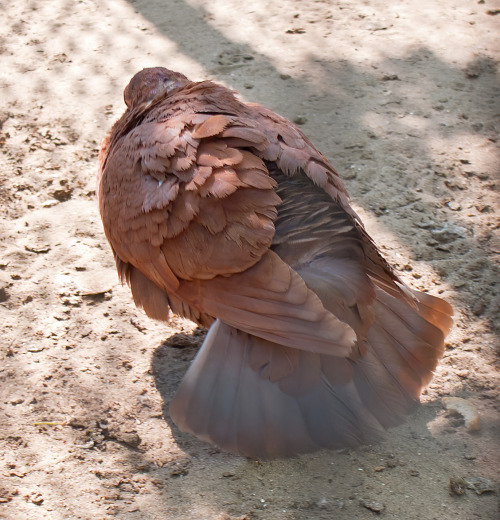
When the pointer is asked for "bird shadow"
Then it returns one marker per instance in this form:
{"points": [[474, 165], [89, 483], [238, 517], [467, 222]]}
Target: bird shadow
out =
{"points": [[169, 364]]}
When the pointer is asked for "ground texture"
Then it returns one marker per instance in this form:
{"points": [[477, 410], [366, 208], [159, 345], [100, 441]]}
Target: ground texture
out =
{"points": [[401, 96]]}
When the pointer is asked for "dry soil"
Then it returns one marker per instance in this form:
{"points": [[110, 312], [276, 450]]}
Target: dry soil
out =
{"points": [[402, 96]]}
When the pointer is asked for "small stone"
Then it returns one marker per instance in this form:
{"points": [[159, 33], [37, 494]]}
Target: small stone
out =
{"points": [[448, 233], [285, 76], [50, 203], [483, 208], [456, 183], [179, 472], [454, 205], [300, 120], [480, 485], [457, 485], [131, 439], [372, 505], [392, 462], [350, 174], [63, 194], [414, 473], [38, 348], [38, 249], [78, 423], [35, 498], [466, 409]]}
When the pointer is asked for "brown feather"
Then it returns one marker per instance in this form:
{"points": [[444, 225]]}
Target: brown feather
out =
{"points": [[212, 126], [220, 210]]}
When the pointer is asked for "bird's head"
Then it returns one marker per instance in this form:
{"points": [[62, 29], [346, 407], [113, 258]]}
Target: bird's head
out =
{"points": [[148, 83]]}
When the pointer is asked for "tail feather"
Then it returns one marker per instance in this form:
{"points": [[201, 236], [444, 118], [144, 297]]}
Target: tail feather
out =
{"points": [[407, 326], [223, 400], [435, 310], [338, 417], [253, 397], [380, 391]]}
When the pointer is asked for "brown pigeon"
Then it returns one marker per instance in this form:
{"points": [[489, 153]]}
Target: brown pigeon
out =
{"points": [[224, 212]]}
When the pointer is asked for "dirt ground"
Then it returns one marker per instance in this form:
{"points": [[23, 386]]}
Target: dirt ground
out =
{"points": [[402, 96]]}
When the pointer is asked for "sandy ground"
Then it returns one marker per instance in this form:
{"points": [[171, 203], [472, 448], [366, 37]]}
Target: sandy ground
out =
{"points": [[402, 96]]}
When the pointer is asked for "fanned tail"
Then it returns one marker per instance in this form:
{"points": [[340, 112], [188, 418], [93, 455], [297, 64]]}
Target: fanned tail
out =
{"points": [[256, 398]]}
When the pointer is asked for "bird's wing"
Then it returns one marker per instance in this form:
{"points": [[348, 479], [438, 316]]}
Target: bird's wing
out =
{"points": [[293, 154], [187, 202]]}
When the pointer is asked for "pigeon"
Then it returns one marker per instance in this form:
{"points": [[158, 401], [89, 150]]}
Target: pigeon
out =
{"points": [[225, 213]]}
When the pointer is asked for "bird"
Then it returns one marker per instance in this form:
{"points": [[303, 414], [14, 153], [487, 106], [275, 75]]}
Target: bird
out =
{"points": [[224, 212]]}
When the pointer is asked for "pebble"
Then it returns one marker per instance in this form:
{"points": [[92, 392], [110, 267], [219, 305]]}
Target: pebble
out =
{"points": [[38, 249], [50, 203], [35, 498], [130, 439], [372, 505], [456, 183], [16, 400], [457, 485], [466, 409], [392, 462], [179, 472], [36, 349], [454, 205], [480, 485], [448, 233], [62, 194], [300, 120]]}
